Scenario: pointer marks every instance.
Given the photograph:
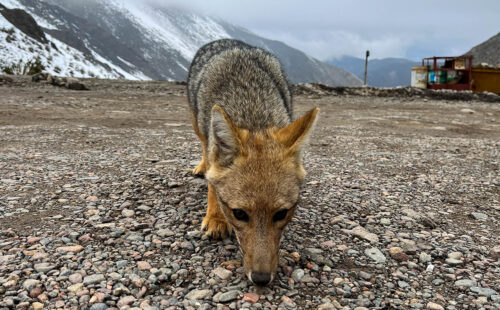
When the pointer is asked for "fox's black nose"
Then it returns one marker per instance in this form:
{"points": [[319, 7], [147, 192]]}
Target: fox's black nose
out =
{"points": [[261, 278]]}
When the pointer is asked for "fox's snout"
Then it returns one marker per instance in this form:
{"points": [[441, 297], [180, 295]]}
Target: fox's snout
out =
{"points": [[260, 278]]}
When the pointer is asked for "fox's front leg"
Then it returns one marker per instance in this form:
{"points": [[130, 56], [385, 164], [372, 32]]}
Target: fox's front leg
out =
{"points": [[202, 166], [214, 222]]}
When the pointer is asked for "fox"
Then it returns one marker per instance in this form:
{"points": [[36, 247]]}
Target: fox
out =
{"points": [[251, 149]]}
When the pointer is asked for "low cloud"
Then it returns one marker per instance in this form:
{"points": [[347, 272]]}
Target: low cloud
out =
{"points": [[392, 28]]}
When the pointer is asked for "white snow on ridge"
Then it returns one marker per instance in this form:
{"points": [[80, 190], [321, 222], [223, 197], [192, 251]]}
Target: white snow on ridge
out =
{"points": [[181, 31], [65, 61]]}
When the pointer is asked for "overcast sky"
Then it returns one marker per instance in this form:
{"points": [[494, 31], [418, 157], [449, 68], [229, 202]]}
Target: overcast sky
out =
{"points": [[388, 28]]}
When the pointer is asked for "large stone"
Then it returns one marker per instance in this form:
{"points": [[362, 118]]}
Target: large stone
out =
{"points": [[125, 301], [29, 284], [495, 252], [165, 233], [72, 249], [229, 296], [199, 294], [479, 216], [298, 274], [483, 291], [222, 273], [465, 283], [434, 306], [93, 279], [44, 267], [362, 233], [375, 255], [75, 287]]}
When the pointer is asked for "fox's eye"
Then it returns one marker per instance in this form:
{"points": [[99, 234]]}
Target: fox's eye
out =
{"points": [[281, 214], [240, 215]]}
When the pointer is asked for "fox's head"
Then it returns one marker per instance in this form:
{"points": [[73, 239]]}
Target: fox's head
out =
{"points": [[257, 178]]}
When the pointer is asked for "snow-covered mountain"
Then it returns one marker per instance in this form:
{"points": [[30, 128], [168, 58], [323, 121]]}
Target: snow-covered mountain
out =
{"points": [[132, 40]]}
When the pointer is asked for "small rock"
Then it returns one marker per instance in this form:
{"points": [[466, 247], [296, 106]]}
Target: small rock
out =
{"points": [[495, 252], [99, 306], [75, 278], [409, 246], [397, 254], [468, 111], [326, 306], [128, 213], [142, 265], [37, 306], [125, 301], [251, 297]]}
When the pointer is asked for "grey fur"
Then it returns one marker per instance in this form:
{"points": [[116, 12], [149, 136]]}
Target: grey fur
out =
{"points": [[248, 83]]}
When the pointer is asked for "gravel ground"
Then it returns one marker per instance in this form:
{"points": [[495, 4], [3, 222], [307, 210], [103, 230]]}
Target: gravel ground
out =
{"points": [[400, 209]]}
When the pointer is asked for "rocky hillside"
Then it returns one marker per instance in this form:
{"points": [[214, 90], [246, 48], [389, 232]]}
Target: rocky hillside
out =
{"points": [[487, 52], [136, 40]]}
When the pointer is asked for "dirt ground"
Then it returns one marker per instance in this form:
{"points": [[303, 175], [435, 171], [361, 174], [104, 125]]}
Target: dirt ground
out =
{"points": [[67, 155], [49, 120]]}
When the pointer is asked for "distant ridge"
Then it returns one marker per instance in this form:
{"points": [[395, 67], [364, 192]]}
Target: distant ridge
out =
{"points": [[488, 52], [387, 72]]}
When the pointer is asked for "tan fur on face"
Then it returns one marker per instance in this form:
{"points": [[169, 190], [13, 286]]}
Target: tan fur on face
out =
{"points": [[261, 182], [263, 178]]}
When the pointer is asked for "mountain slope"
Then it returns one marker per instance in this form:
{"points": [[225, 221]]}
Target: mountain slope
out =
{"points": [[151, 42], [387, 72], [17, 47], [487, 52]]}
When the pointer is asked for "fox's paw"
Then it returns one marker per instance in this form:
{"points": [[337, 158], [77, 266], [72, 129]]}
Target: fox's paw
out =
{"points": [[200, 169], [216, 227]]}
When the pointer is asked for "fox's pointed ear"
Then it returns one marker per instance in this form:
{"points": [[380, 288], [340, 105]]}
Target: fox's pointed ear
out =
{"points": [[224, 143], [294, 135]]}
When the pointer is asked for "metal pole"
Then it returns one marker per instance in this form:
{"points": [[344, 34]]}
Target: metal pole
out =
{"points": [[366, 66]]}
